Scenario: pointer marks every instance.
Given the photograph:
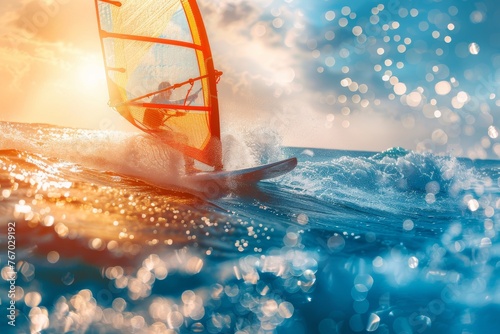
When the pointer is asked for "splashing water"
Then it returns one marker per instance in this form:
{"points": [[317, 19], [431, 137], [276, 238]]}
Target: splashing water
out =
{"points": [[348, 242]]}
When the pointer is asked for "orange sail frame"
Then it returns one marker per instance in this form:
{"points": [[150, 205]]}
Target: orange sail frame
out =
{"points": [[140, 53]]}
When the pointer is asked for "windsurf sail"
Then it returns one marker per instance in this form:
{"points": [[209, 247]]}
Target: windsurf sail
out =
{"points": [[160, 72]]}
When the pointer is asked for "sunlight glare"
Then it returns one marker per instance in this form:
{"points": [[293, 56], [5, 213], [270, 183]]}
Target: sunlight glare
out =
{"points": [[90, 73]]}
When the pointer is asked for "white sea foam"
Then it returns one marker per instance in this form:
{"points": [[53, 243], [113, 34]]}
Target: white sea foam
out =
{"points": [[133, 153]]}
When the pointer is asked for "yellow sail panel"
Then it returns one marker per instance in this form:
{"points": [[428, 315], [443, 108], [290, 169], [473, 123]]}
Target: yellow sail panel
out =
{"points": [[160, 72]]}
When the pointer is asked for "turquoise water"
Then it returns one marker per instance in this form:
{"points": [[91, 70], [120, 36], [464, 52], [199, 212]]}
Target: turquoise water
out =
{"points": [[349, 242]]}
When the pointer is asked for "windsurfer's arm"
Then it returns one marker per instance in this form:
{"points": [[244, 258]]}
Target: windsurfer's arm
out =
{"points": [[191, 98], [187, 101]]}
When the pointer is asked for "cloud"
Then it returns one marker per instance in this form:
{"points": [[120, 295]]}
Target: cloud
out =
{"points": [[231, 13], [49, 52], [366, 63], [28, 48], [294, 64]]}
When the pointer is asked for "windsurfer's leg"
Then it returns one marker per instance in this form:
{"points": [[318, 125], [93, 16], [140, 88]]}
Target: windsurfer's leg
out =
{"points": [[189, 165], [218, 168]]}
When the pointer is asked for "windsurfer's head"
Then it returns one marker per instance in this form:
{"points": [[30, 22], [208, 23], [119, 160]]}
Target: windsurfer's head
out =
{"points": [[165, 95], [163, 85]]}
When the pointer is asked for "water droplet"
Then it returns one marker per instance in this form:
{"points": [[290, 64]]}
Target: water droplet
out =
{"points": [[442, 87], [336, 243], [413, 262], [373, 323], [474, 48]]}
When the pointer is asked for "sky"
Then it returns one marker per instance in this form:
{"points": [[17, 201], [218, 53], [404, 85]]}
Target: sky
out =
{"points": [[358, 75]]}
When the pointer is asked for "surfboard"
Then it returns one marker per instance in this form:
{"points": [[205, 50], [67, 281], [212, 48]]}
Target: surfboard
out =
{"points": [[242, 177]]}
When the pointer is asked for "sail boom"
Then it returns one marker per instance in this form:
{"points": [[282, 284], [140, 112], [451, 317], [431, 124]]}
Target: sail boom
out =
{"points": [[177, 85], [168, 106], [107, 34]]}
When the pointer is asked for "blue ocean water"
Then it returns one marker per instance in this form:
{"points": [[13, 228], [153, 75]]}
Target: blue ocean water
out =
{"points": [[349, 242]]}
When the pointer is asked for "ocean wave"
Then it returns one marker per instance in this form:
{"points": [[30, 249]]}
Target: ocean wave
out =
{"points": [[395, 169]]}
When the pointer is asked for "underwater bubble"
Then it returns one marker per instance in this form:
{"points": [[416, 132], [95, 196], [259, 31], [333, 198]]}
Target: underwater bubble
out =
{"points": [[96, 244], [400, 88], [286, 310], [53, 256], [378, 262], [370, 237], [357, 30], [424, 320], [364, 280], [137, 322], [413, 262], [346, 10], [492, 132], [359, 292], [269, 307], [48, 221], [330, 15], [485, 242], [62, 230], [119, 304], [39, 319], [197, 327], [452, 10], [21, 208], [329, 35], [473, 205], [408, 225], [462, 97], [442, 87], [19, 293], [439, 137], [307, 280], [6, 193], [476, 16], [175, 319], [474, 48], [194, 265], [430, 198], [32, 299], [373, 323], [336, 243], [291, 239], [27, 270], [68, 278], [414, 99], [423, 26], [432, 187]]}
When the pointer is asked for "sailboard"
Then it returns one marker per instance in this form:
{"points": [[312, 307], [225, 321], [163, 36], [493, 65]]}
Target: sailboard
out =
{"points": [[160, 73], [239, 178]]}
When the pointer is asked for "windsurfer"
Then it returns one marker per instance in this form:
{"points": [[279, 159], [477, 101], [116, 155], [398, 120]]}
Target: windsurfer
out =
{"points": [[154, 118]]}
